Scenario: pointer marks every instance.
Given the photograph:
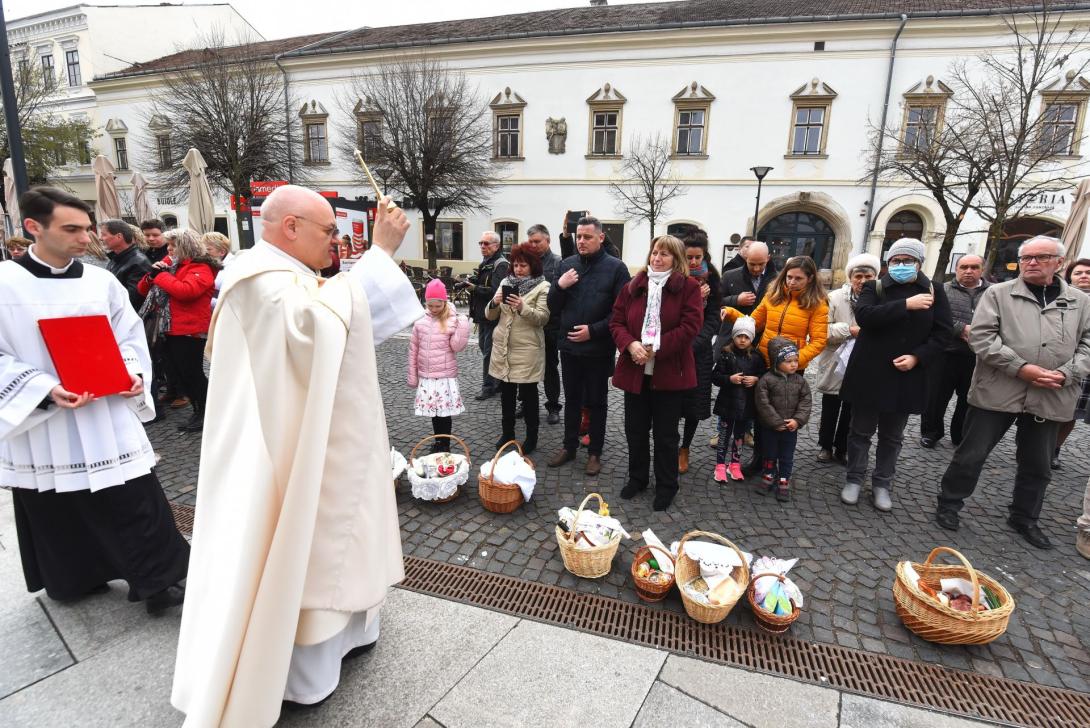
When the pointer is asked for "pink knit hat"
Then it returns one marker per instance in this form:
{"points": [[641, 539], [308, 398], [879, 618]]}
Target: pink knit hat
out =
{"points": [[436, 291]]}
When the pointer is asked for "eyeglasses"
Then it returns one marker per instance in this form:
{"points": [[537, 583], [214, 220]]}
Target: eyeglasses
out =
{"points": [[902, 261], [1037, 258], [486, 242], [329, 230]]}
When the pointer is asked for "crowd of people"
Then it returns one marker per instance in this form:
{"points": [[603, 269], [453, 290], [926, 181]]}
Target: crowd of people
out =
{"points": [[887, 344]]}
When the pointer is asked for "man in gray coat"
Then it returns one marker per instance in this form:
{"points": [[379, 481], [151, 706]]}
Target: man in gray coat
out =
{"points": [[1031, 336], [954, 371]]}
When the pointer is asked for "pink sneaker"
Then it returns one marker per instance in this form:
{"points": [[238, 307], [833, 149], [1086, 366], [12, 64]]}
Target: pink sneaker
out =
{"points": [[720, 473], [735, 471]]}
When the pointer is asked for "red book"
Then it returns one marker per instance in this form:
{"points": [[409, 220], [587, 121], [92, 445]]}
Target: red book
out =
{"points": [[85, 354]]}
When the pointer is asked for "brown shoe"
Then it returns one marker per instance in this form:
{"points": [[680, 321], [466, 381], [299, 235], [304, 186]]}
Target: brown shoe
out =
{"points": [[683, 460], [179, 403], [594, 465], [1082, 543], [562, 456]]}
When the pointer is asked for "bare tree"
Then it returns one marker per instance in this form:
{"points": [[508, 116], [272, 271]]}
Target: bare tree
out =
{"points": [[230, 105], [49, 140], [645, 182], [432, 137], [934, 159], [1001, 100]]}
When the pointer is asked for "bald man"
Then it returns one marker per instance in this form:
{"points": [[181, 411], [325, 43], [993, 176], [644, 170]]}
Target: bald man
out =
{"points": [[296, 538], [953, 373]]}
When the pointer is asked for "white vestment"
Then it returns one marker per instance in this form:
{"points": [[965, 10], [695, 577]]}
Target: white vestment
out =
{"points": [[296, 537], [99, 445]]}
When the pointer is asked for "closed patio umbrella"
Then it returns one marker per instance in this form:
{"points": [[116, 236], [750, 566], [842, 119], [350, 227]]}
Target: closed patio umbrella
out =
{"points": [[202, 214], [1076, 231], [11, 199], [108, 206], [141, 205]]}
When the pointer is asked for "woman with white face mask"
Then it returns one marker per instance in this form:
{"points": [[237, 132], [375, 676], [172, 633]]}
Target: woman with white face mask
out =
{"points": [[905, 325]]}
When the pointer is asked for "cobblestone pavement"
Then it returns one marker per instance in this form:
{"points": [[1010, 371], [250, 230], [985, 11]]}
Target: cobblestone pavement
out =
{"points": [[846, 555]]}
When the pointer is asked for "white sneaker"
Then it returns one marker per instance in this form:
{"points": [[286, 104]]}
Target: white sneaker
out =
{"points": [[882, 500], [850, 493]]}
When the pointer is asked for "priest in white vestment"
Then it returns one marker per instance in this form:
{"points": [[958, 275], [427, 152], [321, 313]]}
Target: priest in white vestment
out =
{"points": [[296, 536], [88, 507]]}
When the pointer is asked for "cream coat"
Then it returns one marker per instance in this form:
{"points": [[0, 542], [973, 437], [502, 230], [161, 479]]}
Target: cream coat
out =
{"points": [[518, 342], [841, 318], [296, 524]]}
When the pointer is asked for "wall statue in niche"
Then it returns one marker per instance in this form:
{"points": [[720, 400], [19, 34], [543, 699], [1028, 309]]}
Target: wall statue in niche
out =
{"points": [[556, 131]]}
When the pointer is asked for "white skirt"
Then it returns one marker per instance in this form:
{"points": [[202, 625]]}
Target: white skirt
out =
{"points": [[438, 398]]}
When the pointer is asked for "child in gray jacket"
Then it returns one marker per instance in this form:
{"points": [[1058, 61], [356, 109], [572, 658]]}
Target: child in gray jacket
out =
{"points": [[783, 406]]}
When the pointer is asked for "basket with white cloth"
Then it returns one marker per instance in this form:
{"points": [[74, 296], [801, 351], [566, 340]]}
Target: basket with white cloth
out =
{"points": [[436, 477], [506, 482]]}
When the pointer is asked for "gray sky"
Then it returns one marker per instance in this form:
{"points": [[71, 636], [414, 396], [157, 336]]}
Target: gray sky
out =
{"points": [[284, 18]]}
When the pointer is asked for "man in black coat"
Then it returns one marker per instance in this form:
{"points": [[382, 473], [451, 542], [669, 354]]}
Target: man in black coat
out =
{"points": [[905, 326], [483, 284], [583, 297], [537, 239], [127, 262], [739, 259], [743, 288]]}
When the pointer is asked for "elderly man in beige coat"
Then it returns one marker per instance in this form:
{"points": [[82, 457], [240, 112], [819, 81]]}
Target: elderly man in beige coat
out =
{"points": [[1031, 336], [296, 538]]}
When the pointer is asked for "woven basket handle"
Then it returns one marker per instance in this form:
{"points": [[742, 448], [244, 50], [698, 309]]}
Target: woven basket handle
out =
{"points": [[575, 521], [457, 439], [972, 572], [654, 553], [500, 452], [720, 539]]}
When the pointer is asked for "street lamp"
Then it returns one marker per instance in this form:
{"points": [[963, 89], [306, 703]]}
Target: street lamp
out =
{"points": [[761, 173]]}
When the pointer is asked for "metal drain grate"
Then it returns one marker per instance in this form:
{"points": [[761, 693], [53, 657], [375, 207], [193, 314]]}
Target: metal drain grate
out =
{"points": [[855, 671], [866, 673]]}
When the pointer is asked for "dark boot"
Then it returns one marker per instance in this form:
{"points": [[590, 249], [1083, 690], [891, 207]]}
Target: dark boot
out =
{"points": [[508, 424], [172, 596], [196, 422], [530, 443]]}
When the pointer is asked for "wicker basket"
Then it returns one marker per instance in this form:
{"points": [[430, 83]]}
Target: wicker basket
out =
{"points": [[938, 623], [688, 569], [458, 440], [646, 589], [501, 497], [591, 563], [766, 620]]}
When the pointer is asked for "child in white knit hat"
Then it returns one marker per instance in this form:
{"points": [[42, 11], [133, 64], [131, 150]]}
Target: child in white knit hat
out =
{"points": [[738, 367]]}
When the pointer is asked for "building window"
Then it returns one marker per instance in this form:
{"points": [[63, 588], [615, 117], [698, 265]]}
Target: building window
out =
{"points": [[507, 109], [509, 234], [508, 136], [121, 149], [60, 157], [810, 108], [921, 124], [905, 224], [799, 233], [162, 151], [169, 221], [71, 58], [448, 239], [317, 152], [369, 133], [615, 234], [605, 122], [24, 72], [605, 133], [49, 73], [83, 151], [1058, 131], [690, 132], [809, 130]]}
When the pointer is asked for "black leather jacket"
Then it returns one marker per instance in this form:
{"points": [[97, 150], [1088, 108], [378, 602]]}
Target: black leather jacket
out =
{"points": [[487, 280], [129, 266]]}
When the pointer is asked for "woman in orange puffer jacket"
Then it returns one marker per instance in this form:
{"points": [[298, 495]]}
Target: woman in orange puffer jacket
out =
{"points": [[795, 307]]}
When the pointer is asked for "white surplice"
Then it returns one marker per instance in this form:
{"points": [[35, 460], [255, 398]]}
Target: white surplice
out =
{"points": [[296, 538], [100, 445]]}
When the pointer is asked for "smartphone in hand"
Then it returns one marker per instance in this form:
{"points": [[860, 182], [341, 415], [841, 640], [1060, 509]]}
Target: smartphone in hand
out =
{"points": [[508, 291]]}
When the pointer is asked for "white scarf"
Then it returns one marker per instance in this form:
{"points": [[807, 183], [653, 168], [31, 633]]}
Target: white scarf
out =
{"points": [[651, 333]]}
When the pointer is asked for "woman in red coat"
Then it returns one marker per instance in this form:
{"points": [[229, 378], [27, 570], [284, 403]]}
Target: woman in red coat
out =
{"points": [[655, 321], [180, 290]]}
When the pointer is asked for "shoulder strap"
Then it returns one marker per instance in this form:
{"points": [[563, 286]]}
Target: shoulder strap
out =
{"points": [[880, 290]]}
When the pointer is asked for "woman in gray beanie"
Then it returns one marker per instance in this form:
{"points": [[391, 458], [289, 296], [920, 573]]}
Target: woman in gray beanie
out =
{"points": [[905, 325], [843, 329]]}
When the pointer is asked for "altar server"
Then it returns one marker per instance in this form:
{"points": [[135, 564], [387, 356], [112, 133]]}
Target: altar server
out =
{"points": [[88, 507]]}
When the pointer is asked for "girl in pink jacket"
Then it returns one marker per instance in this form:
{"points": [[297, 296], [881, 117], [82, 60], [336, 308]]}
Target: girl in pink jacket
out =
{"points": [[433, 364]]}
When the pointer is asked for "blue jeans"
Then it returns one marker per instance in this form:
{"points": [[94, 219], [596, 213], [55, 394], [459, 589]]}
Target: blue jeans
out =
{"points": [[778, 448]]}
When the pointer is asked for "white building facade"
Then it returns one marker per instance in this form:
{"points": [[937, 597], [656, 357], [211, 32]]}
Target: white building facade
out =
{"points": [[75, 44], [799, 96]]}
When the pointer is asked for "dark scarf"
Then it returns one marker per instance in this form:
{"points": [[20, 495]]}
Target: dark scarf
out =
{"points": [[525, 285], [156, 308]]}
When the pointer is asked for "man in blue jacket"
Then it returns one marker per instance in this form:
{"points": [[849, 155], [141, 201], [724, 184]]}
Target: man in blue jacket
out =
{"points": [[583, 297]]}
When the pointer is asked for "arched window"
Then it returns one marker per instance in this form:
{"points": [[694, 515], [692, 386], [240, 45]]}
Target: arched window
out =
{"points": [[905, 224], [1016, 232], [170, 221], [799, 233], [680, 229]]}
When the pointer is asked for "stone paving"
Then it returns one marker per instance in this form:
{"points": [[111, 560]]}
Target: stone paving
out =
{"points": [[846, 555]]}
